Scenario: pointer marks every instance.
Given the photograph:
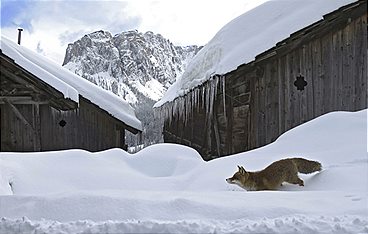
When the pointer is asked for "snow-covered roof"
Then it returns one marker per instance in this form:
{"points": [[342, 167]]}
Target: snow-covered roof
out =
{"points": [[68, 83], [248, 35]]}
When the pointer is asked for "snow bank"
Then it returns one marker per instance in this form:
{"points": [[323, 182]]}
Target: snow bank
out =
{"points": [[284, 225], [153, 168], [169, 188], [68, 83], [248, 35]]}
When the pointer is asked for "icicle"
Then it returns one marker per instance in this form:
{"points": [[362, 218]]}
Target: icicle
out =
{"points": [[212, 93], [224, 96], [203, 95], [210, 98]]}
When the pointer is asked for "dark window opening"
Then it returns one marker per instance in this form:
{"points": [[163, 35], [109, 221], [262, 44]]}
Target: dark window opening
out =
{"points": [[300, 83], [62, 123]]}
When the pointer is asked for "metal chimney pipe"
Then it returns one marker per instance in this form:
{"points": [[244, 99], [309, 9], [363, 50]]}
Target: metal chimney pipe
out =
{"points": [[19, 35]]}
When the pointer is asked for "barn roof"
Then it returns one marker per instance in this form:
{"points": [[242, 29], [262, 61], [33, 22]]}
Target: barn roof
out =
{"points": [[248, 35], [68, 83]]}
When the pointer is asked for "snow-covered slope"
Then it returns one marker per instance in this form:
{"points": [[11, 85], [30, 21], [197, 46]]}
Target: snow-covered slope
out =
{"points": [[248, 35], [168, 188], [131, 64]]}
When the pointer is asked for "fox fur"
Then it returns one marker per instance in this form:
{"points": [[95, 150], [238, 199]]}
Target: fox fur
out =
{"points": [[270, 178]]}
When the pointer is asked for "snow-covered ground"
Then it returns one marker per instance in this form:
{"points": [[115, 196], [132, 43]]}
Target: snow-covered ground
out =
{"points": [[169, 189]]}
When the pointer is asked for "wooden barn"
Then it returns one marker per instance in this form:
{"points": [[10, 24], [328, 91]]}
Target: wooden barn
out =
{"points": [[319, 68], [46, 107]]}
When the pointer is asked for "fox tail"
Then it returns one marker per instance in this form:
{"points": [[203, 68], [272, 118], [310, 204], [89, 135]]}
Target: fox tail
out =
{"points": [[307, 166]]}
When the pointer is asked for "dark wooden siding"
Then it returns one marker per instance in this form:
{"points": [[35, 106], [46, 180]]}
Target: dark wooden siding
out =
{"points": [[334, 67], [87, 127], [32, 112], [14, 132], [261, 100]]}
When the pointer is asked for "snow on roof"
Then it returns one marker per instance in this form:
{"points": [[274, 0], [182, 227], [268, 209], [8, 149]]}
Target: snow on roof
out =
{"points": [[11, 50], [248, 35], [68, 83]]}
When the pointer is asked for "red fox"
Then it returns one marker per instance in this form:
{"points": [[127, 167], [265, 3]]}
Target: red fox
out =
{"points": [[270, 178]]}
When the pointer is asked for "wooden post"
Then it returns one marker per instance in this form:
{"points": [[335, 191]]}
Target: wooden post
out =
{"points": [[229, 118], [217, 134], [36, 127], [206, 126], [122, 140], [209, 135]]}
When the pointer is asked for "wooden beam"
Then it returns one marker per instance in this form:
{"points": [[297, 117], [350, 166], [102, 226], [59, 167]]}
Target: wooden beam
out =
{"points": [[31, 102], [18, 114], [15, 98], [35, 128], [15, 74], [22, 100], [31, 84]]}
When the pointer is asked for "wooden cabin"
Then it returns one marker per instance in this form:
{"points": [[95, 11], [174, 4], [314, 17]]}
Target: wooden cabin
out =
{"points": [[318, 69], [40, 111]]}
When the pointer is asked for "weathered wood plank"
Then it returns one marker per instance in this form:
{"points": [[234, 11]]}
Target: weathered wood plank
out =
{"points": [[36, 128]]}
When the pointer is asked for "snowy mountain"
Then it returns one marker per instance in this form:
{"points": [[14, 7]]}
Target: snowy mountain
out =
{"points": [[138, 67], [133, 65]]}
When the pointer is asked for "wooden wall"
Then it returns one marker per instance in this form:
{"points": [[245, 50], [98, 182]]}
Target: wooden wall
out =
{"points": [[15, 134], [87, 127], [261, 100], [335, 68]]}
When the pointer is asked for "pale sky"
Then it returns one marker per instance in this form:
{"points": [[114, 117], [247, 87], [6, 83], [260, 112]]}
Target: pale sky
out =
{"points": [[50, 25]]}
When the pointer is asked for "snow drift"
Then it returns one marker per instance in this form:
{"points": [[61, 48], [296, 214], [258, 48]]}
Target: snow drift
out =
{"points": [[169, 188]]}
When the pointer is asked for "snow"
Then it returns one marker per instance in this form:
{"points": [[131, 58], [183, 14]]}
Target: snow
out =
{"points": [[153, 89], [292, 224], [68, 83], [10, 49], [169, 188], [248, 35]]}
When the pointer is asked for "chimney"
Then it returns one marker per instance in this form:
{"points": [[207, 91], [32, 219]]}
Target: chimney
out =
{"points": [[19, 35]]}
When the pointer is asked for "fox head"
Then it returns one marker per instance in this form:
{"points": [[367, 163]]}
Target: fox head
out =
{"points": [[239, 178]]}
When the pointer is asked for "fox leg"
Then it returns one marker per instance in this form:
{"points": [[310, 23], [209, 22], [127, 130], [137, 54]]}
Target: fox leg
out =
{"points": [[300, 182], [295, 180]]}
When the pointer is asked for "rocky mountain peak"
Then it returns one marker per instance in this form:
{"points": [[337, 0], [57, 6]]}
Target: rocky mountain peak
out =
{"points": [[139, 67], [132, 64]]}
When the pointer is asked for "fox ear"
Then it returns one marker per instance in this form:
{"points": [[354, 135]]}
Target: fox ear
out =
{"points": [[242, 170]]}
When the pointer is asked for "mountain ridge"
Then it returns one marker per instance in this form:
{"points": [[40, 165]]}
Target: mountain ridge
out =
{"points": [[131, 64], [138, 67]]}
